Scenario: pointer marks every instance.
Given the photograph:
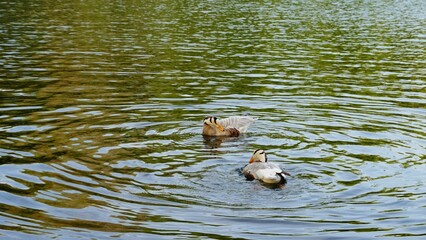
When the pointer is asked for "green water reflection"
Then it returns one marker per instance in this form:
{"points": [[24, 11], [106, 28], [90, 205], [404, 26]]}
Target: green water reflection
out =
{"points": [[102, 102]]}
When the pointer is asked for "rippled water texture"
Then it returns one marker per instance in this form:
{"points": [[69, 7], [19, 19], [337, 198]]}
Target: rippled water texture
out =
{"points": [[102, 104]]}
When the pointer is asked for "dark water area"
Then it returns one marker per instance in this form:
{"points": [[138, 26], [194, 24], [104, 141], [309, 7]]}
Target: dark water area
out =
{"points": [[101, 108]]}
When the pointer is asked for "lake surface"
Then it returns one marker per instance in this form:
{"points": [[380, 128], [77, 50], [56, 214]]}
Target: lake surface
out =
{"points": [[102, 105]]}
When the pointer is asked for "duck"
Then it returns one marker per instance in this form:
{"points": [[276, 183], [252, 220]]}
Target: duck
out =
{"points": [[259, 168], [230, 127]]}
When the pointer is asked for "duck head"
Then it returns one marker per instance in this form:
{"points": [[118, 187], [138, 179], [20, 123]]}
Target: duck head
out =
{"points": [[214, 123], [258, 156]]}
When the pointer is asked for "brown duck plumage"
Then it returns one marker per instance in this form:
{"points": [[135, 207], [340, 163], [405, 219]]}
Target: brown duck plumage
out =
{"points": [[231, 127]]}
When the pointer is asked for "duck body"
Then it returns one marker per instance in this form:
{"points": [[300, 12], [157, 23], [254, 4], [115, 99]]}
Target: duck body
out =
{"points": [[231, 127], [260, 169], [265, 172]]}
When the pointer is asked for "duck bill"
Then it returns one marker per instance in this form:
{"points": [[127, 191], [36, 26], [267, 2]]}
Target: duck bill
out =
{"points": [[251, 160], [220, 127]]}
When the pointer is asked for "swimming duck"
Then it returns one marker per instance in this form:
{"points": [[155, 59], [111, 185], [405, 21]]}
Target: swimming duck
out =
{"points": [[259, 168], [231, 127]]}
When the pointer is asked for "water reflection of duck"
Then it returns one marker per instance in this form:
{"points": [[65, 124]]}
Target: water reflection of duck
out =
{"points": [[259, 168], [213, 141], [231, 127]]}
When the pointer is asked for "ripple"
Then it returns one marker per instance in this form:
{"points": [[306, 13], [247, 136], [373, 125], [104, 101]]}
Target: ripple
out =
{"points": [[101, 119]]}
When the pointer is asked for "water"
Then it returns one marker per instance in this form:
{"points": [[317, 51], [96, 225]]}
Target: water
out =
{"points": [[102, 104]]}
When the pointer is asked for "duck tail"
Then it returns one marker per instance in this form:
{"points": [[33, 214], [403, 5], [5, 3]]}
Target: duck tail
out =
{"points": [[233, 132], [283, 178]]}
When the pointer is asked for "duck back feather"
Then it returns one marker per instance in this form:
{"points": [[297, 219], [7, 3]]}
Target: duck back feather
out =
{"points": [[265, 172], [241, 123]]}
